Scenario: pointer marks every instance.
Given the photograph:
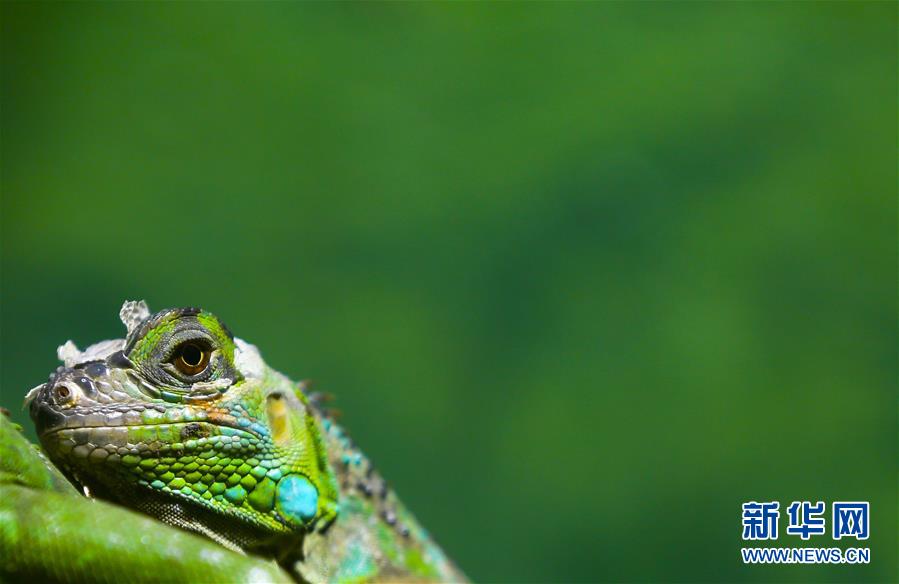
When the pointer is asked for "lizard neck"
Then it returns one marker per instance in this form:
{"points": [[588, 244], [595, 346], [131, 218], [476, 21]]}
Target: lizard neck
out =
{"points": [[374, 536]]}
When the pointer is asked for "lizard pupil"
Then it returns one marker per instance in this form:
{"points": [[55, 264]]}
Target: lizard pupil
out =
{"points": [[192, 355]]}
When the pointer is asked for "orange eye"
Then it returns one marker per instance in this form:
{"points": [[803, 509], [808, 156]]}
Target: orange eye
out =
{"points": [[191, 359]]}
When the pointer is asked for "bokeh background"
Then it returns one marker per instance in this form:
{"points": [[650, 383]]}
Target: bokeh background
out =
{"points": [[584, 277]]}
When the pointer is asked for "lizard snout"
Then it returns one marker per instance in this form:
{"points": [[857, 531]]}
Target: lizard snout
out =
{"points": [[66, 389]]}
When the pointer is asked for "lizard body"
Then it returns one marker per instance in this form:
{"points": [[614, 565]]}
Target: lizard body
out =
{"points": [[185, 423]]}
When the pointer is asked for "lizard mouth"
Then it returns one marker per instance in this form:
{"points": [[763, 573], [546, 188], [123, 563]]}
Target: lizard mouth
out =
{"points": [[101, 442]]}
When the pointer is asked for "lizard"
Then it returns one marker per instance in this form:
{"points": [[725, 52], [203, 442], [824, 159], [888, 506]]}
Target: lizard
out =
{"points": [[186, 423]]}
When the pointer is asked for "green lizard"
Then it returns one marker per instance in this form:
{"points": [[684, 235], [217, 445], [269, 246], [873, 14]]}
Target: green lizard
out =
{"points": [[187, 424]]}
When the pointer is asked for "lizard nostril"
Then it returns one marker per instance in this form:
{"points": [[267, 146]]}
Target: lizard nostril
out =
{"points": [[64, 394]]}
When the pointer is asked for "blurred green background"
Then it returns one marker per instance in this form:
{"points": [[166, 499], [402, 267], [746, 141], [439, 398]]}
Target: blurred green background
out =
{"points": [[584, 277]]}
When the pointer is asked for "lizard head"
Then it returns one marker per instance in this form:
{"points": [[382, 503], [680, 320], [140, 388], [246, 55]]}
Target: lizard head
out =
{"points": [[187, 423]]}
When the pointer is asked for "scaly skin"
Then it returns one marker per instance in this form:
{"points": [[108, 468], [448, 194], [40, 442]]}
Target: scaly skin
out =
{"points": [[188, 425]]}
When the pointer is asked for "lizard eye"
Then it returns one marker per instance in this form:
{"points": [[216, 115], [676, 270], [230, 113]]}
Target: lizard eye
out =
{"points": [[191, 358]]}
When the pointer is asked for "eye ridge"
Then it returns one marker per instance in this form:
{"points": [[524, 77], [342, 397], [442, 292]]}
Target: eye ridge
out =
{"points": [[191, 358]]}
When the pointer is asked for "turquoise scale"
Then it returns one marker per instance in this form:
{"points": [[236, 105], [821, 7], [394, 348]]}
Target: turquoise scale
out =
{"points": [[297, 499]]}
